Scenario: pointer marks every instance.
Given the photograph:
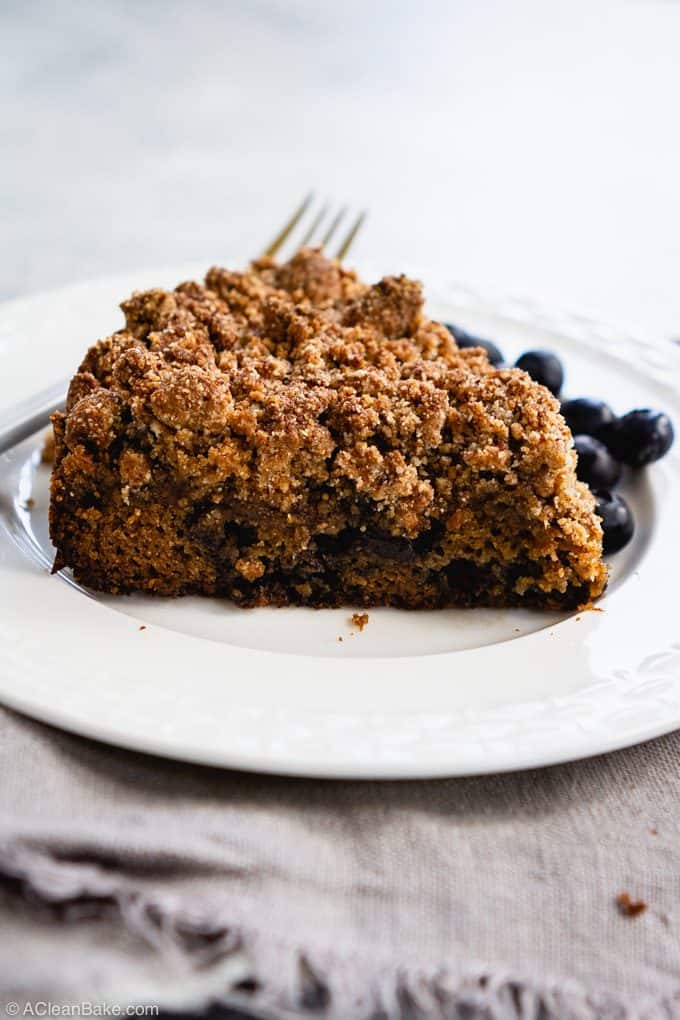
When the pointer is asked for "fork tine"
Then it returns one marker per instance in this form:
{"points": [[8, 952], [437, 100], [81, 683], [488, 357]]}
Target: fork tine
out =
{"points": [[316, 223], [349, 240], [289, 226], [337, 219]]}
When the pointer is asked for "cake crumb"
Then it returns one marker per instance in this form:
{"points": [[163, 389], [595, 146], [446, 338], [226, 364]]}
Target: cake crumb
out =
{"points": [[143, 627], [48, 449], [360, 620], [29, 504], [629, 907], [340, 637], [653, 831]]}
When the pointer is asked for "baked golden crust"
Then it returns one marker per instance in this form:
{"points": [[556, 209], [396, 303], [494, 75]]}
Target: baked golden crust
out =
{"points": [[291, 435]]}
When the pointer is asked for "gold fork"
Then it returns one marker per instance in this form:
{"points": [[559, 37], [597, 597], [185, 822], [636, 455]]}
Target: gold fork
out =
{"points": [[321, 230]]}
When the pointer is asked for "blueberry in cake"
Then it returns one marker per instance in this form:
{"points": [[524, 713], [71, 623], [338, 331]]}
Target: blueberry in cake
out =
{"points": [[291, 435]]}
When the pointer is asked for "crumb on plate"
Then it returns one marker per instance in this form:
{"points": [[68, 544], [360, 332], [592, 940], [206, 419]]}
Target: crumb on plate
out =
{"points": [[47, 452]]}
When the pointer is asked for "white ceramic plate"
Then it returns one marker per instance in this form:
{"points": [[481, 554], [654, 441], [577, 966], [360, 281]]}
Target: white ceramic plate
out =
{"points": [[416, 694]]}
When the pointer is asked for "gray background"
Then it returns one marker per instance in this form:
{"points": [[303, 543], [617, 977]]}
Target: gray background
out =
{"points": [[531, 147]]}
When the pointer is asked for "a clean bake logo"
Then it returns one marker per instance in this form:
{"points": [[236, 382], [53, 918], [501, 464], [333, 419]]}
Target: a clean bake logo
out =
{"points": [[43, 1008]]}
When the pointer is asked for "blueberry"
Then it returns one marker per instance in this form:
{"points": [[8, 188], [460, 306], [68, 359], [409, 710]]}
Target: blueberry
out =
{"points": [[596, 466], [585, 416], [617, 520], [544, 367], [465, 339], [639, 437]]}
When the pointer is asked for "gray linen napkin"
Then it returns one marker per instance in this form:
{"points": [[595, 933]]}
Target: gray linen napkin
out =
{"points": [[129, 879]]}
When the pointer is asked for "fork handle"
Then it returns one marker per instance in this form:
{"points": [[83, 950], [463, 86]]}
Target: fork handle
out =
{"points": [[22, 420]]}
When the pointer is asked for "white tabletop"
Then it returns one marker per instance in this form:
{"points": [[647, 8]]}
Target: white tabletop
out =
{"points": [[528, 147]]}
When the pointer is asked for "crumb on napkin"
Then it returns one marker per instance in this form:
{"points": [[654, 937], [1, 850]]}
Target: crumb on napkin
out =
{"points": [[630, 907]]}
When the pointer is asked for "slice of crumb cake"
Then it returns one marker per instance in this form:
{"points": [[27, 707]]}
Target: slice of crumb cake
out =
{"points": [[289, 435]]}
